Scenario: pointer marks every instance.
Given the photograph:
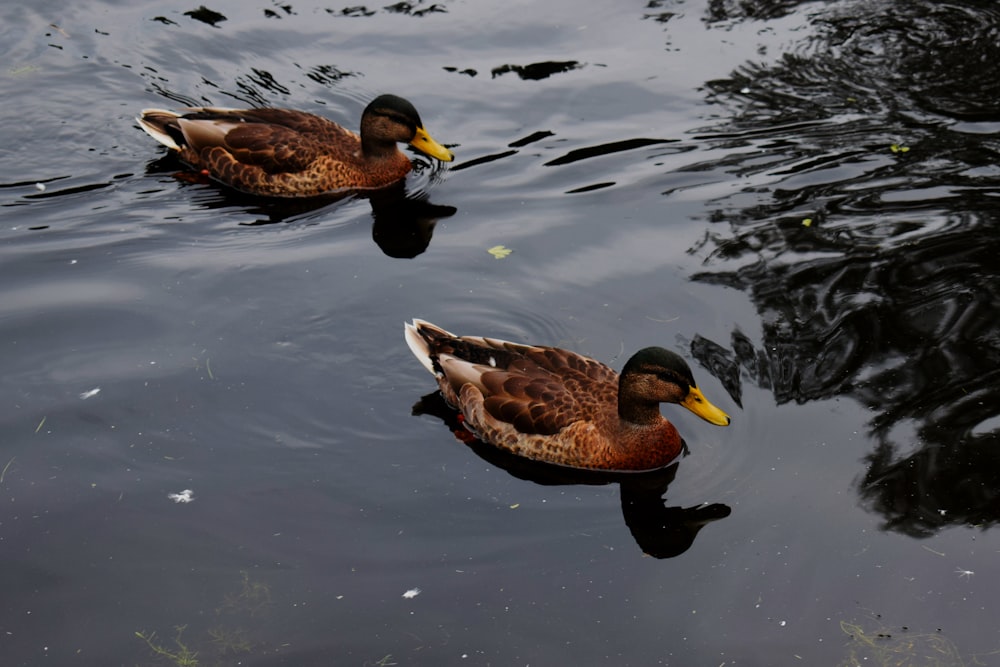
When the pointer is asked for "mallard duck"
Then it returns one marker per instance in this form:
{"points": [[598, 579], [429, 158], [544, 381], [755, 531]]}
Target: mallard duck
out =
{"points": [[558, 406], [285, 153]]}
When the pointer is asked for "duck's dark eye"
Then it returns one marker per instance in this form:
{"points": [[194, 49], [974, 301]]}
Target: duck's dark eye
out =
{"points": [[399, 118], [671, 378]]}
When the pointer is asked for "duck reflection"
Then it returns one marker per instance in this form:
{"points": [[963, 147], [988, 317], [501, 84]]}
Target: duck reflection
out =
{"points": [[403, 222], [659, 530]]}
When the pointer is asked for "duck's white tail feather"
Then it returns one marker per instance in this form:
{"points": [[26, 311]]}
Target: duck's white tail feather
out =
{"points": [[153, 121], [418, 345]]}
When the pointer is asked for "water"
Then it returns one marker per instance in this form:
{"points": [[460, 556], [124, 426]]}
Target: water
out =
{"points": [[797, 197]]}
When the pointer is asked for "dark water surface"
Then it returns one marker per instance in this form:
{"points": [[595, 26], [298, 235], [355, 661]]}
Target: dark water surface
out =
{"points": [[800, 198]]}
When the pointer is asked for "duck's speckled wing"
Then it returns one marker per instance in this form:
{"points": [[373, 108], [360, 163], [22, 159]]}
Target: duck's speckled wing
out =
{"points": [[276, 140], [273, 148], [537, 390]]}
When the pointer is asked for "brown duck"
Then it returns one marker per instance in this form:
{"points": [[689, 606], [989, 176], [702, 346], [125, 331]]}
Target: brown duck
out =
{"points": [[286, 153], [558, 406]]}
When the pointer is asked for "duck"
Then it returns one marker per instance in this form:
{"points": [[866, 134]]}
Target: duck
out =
{"points": [[287, 153], [560, 407]]}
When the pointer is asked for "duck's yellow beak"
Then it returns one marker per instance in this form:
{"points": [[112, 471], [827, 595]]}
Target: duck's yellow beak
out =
{"points": [[424, 143], [698, 404]]}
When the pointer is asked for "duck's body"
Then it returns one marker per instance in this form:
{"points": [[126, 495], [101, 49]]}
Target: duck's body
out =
{"points": [[286, 153], [557, 406]]}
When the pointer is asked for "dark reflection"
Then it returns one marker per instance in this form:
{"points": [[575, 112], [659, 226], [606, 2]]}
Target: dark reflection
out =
{"points": [[45, 189], [946, 52], [403, 222], [729, 10], [206, 15], [591, 187], [270, 13], [894, 58], [660, 531], [357, 10], [659, 17], [605, 149], [416, 8], [259, 87], [327, 74], [467, 71], [76, 189], [536, 71], [483, 159], [866, 237], [934, 488], [520, 143], [531, 138], [717, 361]]}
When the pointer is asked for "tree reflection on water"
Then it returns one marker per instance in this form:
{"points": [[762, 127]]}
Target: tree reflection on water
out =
{"points": [[866, 237]]}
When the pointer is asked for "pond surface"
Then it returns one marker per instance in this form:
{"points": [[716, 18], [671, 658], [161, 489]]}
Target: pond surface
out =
{"points": [[800, 198]]}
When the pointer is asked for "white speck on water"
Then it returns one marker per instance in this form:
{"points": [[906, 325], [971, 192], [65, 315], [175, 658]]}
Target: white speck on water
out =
{"points": [[91, 393], [412, 593], [185, 496], [40, 187]]}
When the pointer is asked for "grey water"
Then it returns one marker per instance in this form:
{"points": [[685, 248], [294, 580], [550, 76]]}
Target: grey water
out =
{"points": [[210, 451]]}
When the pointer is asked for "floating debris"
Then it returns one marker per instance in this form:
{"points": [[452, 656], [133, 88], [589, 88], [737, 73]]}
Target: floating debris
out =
{"points": [[91, 393], [499, 251], [412, 593], [185, 496], [3, 473]]}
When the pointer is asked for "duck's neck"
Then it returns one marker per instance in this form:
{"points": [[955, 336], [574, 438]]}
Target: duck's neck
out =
{"points": [[634, 405], [645, 438], [644, 446], [375, 149]]}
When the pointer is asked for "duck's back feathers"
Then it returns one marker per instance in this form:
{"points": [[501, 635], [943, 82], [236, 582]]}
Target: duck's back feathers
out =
{"points": [[539, 390]]}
